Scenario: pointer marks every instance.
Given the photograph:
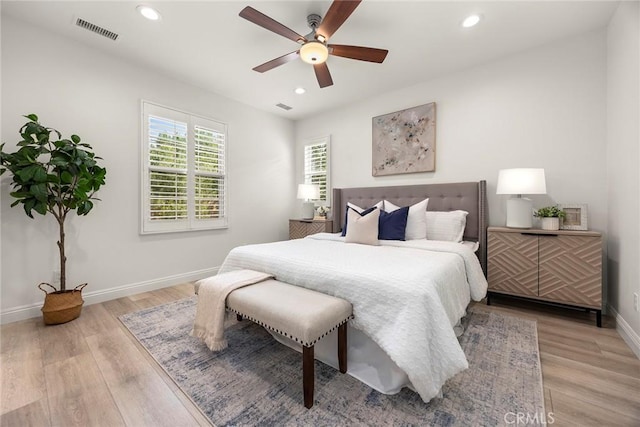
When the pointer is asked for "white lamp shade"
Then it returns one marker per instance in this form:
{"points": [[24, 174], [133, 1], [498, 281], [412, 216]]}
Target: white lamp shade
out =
{"points": [[314, 52], [308, 191], [521, 181]]}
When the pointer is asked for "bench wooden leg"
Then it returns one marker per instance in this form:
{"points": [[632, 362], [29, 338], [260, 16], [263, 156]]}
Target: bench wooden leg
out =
{"points": [[308, 375], [342, 348]]}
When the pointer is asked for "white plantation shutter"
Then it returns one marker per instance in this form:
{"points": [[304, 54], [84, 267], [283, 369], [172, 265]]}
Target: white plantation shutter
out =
{"points": [[316, 166], [209, 173], [184, 171], [167, 169]]}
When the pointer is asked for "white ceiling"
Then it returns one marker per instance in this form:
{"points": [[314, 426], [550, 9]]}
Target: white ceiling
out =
{"points": [[207, 44]]}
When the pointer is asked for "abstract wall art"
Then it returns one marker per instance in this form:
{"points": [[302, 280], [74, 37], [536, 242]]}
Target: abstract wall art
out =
{"points": [[405, 141]]}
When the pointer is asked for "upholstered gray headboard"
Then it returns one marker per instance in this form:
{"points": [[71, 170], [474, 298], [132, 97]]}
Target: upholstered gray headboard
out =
{"points": [[467, 196]]}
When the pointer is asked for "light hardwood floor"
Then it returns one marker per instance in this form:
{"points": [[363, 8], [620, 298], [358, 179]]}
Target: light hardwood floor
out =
{"points": [[92, 372]]}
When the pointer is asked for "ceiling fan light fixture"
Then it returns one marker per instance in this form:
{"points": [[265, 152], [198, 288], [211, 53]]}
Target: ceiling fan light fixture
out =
{"points": [[471, 21], [321, 38], [314, 52]]}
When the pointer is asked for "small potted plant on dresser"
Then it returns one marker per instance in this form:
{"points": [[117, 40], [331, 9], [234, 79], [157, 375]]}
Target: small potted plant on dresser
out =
{"points": [[550, 217], [55, 176]]}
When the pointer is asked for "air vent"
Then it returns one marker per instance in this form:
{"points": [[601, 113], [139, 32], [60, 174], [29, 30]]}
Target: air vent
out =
{"points": [[284, 106], [96, 29]]}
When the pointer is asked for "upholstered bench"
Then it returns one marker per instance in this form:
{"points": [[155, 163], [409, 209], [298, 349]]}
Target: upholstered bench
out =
{"points": [[300, 314]]}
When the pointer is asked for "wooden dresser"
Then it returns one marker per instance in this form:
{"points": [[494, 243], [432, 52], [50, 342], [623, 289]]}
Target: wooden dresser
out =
{"points": [[563, 267], [299, 228]]}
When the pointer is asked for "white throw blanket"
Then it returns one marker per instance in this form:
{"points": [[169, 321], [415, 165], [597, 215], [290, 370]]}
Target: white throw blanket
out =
{"points": [[212, 296], [406, 296]]}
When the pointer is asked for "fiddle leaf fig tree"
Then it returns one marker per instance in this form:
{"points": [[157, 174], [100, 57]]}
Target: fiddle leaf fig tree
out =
{"points": [[52, 175]]}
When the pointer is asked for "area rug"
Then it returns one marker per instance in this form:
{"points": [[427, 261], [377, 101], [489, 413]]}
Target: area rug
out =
{"points": [[258, 381]]}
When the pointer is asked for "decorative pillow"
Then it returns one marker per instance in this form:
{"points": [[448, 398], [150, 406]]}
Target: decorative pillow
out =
{"points": [[363, 229], [417, 220], [447, 226], [392, 225], [359, 210]]}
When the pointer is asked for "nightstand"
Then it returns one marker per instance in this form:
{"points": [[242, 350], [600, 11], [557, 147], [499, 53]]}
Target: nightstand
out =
{"points": [[299, 228], [562, 267]]}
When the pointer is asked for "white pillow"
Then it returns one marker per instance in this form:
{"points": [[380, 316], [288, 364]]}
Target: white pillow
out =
{"points": [[363, 229], [416, 221], [447, 226]]}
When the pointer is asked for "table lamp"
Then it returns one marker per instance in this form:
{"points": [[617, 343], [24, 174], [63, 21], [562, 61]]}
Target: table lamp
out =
{"points": [[518, 182], [308, 192]]}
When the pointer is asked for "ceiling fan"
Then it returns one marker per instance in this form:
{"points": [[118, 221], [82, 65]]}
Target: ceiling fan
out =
{"points": [[314, 48]]}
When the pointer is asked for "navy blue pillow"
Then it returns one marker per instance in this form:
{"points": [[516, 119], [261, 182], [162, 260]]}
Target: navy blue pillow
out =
{"points": [[392, 225], [346, 216]]}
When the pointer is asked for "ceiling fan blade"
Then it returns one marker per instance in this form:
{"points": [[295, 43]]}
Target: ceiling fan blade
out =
{"points": [[276, 62], [358, 52], [259, 18], [323, 75], [338, 12]]}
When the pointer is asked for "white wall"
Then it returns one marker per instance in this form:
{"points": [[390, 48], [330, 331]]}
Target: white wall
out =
{"points": [[623, 162], [540, 108], [78, 90]]}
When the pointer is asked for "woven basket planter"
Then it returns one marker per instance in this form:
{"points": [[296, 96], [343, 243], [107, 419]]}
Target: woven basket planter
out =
{"points": [[61, 306]]}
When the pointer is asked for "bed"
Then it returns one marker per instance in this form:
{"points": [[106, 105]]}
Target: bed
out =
{"points": [[408, 297]]}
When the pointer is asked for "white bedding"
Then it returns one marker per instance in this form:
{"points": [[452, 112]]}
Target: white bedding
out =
{"points": [[406, 296]]}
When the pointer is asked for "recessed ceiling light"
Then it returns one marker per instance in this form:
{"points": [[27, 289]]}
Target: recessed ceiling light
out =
{"points": [[148, 12], [300, 90], [470, 21]]}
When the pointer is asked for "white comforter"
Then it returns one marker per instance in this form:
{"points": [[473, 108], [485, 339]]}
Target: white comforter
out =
{"points": [[406, 296]]}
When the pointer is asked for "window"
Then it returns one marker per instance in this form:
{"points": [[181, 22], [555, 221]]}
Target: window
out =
{"points": [[183, 171], [316, 167]]}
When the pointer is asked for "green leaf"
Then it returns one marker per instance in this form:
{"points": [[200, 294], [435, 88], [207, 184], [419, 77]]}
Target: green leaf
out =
{"points": [[75, 138], [60, 162], [26, 140], [28, 206], [85, 207], [31, 128], [40, 175], [41, 208], [32, 117], [27, 173], [66, 177], [28, 212], [20, 194], [39, 191]]}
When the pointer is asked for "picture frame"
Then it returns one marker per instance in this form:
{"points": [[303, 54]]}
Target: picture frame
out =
{"points": [[575, 216], [404, 141]]}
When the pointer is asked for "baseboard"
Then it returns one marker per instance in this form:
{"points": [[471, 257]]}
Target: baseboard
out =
{"points": [[23, 312], [626, 332]]}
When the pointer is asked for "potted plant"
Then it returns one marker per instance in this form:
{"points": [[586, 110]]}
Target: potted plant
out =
{"points": [[323, 211], [550, 217], [56, 176]]}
